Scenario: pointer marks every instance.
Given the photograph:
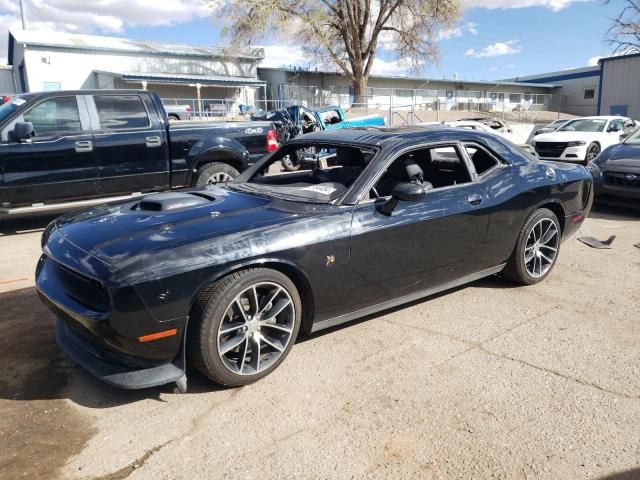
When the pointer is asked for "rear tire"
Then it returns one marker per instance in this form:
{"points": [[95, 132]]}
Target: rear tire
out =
{"points": [[243, 326], [213, 173], [173, 117], [536, 250], [291, 163]]}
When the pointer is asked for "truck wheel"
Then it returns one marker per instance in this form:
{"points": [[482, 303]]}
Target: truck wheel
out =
{"points": [[243, 326], [536, 250], [215, 172], [173, 116]]}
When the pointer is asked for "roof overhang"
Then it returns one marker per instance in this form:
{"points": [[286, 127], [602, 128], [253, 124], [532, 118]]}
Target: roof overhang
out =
{"points": [[185, 79]]}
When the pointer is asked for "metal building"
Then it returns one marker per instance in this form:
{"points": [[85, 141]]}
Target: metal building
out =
{"points": [[52, 61], [620, 86], [7, 84]]}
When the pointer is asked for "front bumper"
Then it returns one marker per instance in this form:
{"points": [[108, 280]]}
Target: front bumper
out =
{"points": [[105, 340], [118, 375], [615, 194], [570, 154]]}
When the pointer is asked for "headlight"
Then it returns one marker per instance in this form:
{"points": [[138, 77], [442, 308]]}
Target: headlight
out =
{"points": [[576, 144], [594, 169]]}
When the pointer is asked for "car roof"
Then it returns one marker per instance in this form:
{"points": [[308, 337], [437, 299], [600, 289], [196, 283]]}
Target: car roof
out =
{"points": [[602, 117], [386, 136]]}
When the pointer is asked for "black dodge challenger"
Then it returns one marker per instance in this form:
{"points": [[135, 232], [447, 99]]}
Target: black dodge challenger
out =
{"points": [[224, 278]]}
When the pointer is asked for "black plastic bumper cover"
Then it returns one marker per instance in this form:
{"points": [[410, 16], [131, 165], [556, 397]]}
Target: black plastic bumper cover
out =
{"points": [[120, 376]]}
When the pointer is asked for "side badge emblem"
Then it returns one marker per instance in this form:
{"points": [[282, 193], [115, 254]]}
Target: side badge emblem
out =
{"points": [[331, 260]]}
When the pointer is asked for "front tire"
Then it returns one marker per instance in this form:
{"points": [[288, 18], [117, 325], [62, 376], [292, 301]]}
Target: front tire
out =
{"points": [[243, 326], [592, 152], [536, 250], [215, 172]]}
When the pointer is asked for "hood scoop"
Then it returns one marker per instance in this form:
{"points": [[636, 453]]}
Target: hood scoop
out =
{"points": [[172, 201]]}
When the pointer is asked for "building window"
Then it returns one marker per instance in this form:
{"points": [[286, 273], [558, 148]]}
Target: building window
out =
{"points": [[589, 93]]}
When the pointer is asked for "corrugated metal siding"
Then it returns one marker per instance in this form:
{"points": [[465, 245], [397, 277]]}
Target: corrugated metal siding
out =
{"points": [[6, 81], [620, 86]]}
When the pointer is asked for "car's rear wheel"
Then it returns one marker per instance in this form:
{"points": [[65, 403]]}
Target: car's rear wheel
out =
{"points": [[244, 326], [215, 172], [592, 152], [536, 250]]}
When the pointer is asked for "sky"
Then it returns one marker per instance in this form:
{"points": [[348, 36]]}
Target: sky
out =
{"points": [[495, 39]]}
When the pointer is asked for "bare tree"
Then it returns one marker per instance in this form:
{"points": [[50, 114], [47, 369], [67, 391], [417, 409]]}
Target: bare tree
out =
{"points": [[346, 33], [624, 33]]}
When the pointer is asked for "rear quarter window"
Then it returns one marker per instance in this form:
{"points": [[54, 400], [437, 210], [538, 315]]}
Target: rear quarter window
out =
{"points": [[121, 112]]}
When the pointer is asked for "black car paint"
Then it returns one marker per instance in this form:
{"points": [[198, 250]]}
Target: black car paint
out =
{"points": [[150, 267], [49, 170], [614, 183]]}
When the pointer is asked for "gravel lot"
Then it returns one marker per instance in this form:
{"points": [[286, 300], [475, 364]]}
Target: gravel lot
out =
{"points": [[485, 381]]}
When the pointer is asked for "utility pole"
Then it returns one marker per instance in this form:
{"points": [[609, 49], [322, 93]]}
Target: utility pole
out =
{"points": [[22, 15]]}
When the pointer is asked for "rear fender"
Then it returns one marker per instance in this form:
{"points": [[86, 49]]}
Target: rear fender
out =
{"points": [[217, 149]]}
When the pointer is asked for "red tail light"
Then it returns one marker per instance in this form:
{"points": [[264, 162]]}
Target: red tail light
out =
{"points": [[272, 141], [188, 109]]}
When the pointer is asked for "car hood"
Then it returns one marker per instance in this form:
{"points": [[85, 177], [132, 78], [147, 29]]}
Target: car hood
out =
{"points": [[622, 156], [124, 237], [567, 136]]}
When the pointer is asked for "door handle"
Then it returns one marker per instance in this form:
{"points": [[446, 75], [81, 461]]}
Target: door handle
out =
{"points": [[474, 199], [153, 142], [84, 146]]}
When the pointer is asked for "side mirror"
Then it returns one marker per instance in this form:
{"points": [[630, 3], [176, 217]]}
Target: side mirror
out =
{"points": [[403, 192], [21, 132]]}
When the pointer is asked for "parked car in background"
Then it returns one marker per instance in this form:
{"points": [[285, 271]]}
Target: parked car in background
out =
{"points": [[223, 278], [616, 173], [466, 124], [299, 120], [178, 112], [581, 139], [494, 123], [552, 127], [67, 149]]}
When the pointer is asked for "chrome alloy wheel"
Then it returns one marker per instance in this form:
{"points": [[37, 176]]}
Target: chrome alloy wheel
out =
{"points": [[256, 328], [541, 248], [219, 177]]}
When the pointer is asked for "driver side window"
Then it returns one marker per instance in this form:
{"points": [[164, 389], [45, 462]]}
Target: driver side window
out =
{"points": [[55, 117], [434, 167]]}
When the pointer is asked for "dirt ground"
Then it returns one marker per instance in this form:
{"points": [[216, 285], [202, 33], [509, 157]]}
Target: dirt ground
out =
{"points": [[485, 381]]}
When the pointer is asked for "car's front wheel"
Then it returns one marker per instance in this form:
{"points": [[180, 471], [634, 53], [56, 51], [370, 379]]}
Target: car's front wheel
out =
{"points": [[244, 325], [536, 250], [592, 152]]}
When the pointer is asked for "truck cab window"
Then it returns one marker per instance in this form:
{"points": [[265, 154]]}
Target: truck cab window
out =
{"points": [[121, 112], [55, 117]]}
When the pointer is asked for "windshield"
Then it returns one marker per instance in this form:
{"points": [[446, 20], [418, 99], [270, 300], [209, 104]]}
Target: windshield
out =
{"points": [[634, 138], [584, 125], [315, 173]]}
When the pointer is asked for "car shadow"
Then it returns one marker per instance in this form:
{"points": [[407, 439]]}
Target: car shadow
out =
{"points": [[633, 474], [33, 367], [610, 212], [29, 224]]}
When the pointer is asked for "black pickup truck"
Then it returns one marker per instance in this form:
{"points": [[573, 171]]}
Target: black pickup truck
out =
{"points": [[76, 148]]}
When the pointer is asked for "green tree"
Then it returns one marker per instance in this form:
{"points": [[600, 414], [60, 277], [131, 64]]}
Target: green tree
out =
{"points": [[346, 33]]}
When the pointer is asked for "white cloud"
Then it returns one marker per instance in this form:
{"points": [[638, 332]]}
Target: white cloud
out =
{"points": [[593, 61], [469, 27], [554, 5], [497, 49], [93, 16]]}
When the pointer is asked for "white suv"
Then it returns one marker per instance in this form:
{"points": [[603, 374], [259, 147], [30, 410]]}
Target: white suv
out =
{"points": [[581, 139]]}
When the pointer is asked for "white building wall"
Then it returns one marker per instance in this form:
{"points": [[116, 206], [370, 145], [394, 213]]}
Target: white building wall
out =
{"points": [[621, 86], [73, 69]]}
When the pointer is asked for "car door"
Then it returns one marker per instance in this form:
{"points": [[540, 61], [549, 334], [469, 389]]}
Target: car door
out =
{"points": [[424, 244], [58, 163], [130, 143]]}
